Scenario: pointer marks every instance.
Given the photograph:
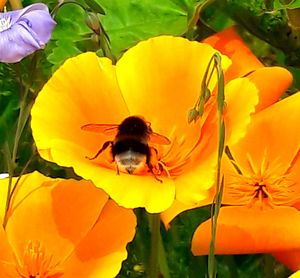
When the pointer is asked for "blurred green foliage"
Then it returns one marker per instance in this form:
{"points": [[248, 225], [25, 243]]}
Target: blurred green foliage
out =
{"points": [[271, 28]]}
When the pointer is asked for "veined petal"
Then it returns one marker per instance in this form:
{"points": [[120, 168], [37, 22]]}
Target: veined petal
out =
{"points": [[58, 216], [129, 191], [264, 79], [266, 230], [40, 22], [229, 43], [161, 79], [16, 15], [272, 134], [102, 251]]}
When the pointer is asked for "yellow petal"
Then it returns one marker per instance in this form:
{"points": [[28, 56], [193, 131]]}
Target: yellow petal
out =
{"points": [[101, 252], [178, 207], [57, 215], [161, 79], [295, 275], [23, 187], [83, 90], [129, 191]]}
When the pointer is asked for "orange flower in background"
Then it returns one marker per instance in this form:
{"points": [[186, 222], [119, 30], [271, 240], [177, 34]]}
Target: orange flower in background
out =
{"points": [[262, 187], [2, 4], [160, 80], [63, 228]]}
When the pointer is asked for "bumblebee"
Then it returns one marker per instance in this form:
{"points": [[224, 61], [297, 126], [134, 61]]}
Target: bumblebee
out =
{"points": [[130, 148]]}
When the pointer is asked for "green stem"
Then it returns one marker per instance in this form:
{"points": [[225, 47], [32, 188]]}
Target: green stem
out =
{"points": [[154, 220], [10, 168], [22, 119]]}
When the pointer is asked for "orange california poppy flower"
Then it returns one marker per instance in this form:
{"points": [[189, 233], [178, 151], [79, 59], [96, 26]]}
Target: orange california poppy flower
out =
{"points": [[63, 228], [262, 187], [158, 79]]}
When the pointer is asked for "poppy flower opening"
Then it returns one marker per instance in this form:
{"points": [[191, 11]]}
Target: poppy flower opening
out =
{"points": [[266, 184], [159, 79], [36, 263], [130, 147], [261, 188]]}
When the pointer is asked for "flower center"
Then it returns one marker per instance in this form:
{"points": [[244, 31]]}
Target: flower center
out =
{"points": [[269, 183], [5, 23], [36, 264]]}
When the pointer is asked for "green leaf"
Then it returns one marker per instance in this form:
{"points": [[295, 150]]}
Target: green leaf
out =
{"points": [[70, 28], [128, 22], [95, 6], [278, 5]]}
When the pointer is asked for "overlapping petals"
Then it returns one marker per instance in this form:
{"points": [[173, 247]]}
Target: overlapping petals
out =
{"points": [[229, 43], [261, 187], [159, 79], [245, 63], [63, 228], [24, 31]]}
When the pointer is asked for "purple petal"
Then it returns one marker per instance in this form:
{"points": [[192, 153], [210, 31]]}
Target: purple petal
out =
{"points": [[41, 24], [30, 30], [16, 44]]}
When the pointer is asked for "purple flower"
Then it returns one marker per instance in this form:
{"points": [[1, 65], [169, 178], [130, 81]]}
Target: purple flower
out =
{"points": [[24, 31]]}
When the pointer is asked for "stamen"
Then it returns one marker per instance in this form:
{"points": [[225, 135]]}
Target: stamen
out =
{"points": [[262, 183], [164, 167], [36, 264], [5, 23]]}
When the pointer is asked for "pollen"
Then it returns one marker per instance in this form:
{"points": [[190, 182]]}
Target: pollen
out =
{"points": [[36, 264], [5, 23], [267, 184]]}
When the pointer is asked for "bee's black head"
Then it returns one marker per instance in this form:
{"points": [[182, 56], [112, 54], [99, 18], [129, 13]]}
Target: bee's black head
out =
{"points": [[134, 125]]}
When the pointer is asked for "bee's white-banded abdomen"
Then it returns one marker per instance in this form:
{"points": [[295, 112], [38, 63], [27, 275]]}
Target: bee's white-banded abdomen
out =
{"points": [[130, 162]]}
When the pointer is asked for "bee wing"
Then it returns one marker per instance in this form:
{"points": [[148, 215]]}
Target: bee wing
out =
{"points": [[156, 138], [107, 129]]}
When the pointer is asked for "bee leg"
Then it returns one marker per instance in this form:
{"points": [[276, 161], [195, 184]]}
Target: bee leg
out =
{"points": [[104, 147], [152, 163], [118, 171], [152, 172]]}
